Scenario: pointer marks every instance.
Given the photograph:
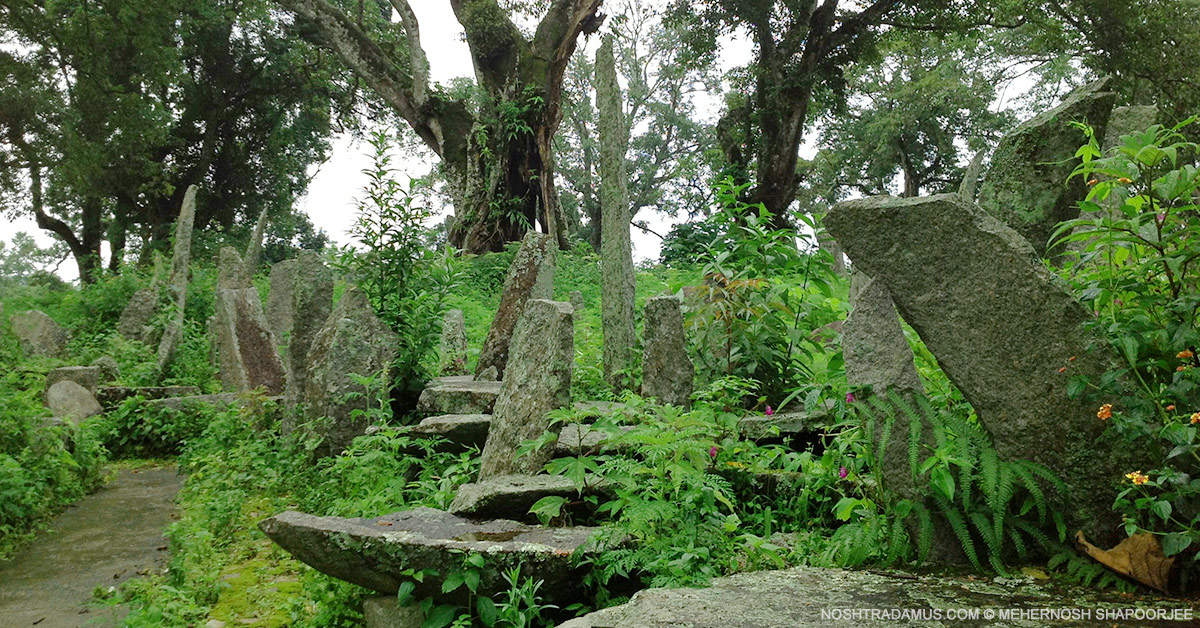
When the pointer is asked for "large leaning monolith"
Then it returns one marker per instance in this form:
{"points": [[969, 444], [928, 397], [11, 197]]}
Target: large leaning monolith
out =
{"points": [[312, 302], [246, 350], [353, 342], [1001, 326], [1026, 185], [537, 381], [531, 276], [177, 288], [667, 370], [616, 252]]}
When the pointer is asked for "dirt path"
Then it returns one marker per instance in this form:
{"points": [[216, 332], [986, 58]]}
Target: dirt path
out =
{"points": [[102, 540]]}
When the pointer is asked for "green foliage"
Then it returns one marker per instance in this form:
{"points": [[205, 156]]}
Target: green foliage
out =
{"points": [[760, 302], [137, 429], [407, 281], [1139, 269]]}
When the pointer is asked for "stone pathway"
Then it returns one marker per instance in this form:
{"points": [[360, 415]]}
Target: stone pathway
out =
{"points": [[101, 541]]}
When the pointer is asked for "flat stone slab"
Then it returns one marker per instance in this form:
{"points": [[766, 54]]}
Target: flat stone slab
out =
{"points": [[575, 437], [808, 597], [458, 395], [220, 399], [113, 395], [373, 553], [86, 376], [511, 496], [462, 430], [783, 425]]}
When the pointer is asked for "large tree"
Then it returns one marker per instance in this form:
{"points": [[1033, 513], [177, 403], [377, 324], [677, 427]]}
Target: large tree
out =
{"points": [[802, 49], [494, 144], [115, 107]]}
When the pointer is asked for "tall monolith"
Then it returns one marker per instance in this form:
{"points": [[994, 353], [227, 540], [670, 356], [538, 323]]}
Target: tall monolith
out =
{"points": [[531, 276], [177, 287]]}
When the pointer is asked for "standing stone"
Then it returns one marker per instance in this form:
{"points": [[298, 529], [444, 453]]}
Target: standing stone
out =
{"points": [[39, 335], [142, 307], [876, 353], [667, 370], [1001, 326], [86, 376], [280, 298], [531, 276], [68, 400], [246, 349], [312, 302], [452, 359], [352, 342], [576, 298], [110, 371], [538, 381], [231, 271], [254, 247], [616, 253], [1026, 185], [177, 289], [971, 177]]}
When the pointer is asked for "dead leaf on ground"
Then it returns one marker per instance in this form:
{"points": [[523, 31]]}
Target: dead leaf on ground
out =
{"points": [[1139, 557]]}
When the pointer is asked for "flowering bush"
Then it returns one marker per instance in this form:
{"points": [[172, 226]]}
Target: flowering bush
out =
{"points": [[1138, 267]]}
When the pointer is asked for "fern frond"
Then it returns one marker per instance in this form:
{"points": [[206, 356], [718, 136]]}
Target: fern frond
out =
{"points": [[959, 526], [991, 540], [1039, 500]]}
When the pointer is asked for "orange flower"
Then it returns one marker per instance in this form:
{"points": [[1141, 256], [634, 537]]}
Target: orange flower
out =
{"points": [[1105, 412], [1071, 359], [1137, 477], [1062, 370], [1125, 180], [1186, 354], [1093, 181], [1170, 408], [1195, 418], [1180, 369]]}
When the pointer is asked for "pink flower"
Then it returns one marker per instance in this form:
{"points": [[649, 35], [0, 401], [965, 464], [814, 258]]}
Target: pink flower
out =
{"points": [[850, 398], [1161, 217], [769, 411], [712, 453], [843, 472]]}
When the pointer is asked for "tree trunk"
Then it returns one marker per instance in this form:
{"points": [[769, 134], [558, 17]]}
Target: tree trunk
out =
{"points": [[500, 164]]}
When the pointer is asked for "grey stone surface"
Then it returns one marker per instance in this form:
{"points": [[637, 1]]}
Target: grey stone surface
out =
{"points": [[178, 283], [110, 396], [785, 425], [876, 352], [531, 276], [667, 370], [353, 341], [1026, 184], [489, 374], [795, 598], [383, 612], [971, 177], [616, 252], [1000, 325], [245, 347], [452, 359], [459, 395], [462, 430], [138, 313], [86, 376], [374, 553], [509, 496], [538, 380], [280, 307], [110, 371], [312, 304], [231, 270], [39, 335], [576, 298], [575, 438], [187, 401], [253, 256], [68, 400]]}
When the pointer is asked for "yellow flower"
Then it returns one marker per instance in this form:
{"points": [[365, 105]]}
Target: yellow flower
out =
{"points": [[1137, 477], [1186, 354], [736, 465], [1195, 418], [1105, 412]]}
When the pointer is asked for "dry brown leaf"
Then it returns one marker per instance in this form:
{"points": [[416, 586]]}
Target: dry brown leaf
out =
{"points": [[1139, 557]]}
